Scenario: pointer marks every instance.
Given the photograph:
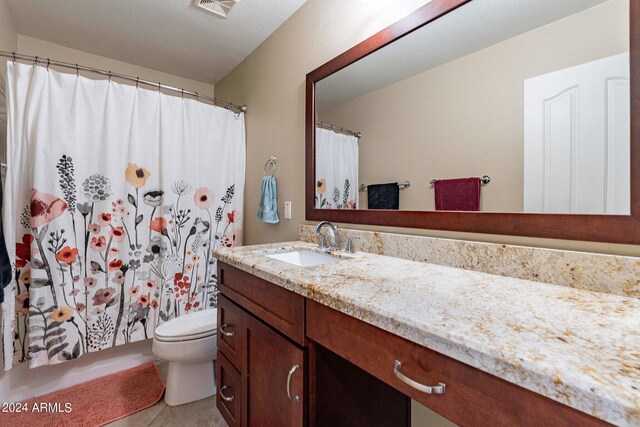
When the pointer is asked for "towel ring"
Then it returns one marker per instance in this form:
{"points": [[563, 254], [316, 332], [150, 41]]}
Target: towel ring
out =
{"points": [[272, 161]]}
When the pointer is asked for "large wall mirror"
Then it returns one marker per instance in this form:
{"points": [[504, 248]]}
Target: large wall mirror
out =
{"points": [[493, 116]]}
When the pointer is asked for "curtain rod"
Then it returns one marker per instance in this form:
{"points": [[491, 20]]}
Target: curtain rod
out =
{"points": [[339, 129], [47, 62]]}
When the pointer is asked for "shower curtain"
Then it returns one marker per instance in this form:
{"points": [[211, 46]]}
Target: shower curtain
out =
{"points": [[336, 170], [115, 199]]}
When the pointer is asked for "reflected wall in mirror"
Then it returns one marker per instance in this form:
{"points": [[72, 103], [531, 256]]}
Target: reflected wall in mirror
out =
{"points": [[532, 93]]}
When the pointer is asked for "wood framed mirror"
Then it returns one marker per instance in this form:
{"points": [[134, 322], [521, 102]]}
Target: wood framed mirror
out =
{"points": [[553, 130]]}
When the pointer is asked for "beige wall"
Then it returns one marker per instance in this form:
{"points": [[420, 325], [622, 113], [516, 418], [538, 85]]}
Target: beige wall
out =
{"points": [[271, 82], [483, 90], [45, 49], [8, 37]]}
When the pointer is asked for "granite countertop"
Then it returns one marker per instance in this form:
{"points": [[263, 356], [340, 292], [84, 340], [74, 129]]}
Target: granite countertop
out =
{"points": [[577, 347]]}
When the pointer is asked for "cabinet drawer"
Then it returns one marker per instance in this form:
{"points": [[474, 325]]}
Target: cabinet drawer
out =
{"points": [[231, 331], [278, 307], [471, 397], [229, 391]]}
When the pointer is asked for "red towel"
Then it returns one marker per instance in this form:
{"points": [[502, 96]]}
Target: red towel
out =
{"points": [[462, 194]]}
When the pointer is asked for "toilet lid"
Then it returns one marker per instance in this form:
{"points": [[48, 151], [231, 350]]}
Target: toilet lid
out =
{"points": [[189, 326]]}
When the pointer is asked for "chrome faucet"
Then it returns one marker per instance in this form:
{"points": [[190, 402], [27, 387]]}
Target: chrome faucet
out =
{"points": [[333, 237]]}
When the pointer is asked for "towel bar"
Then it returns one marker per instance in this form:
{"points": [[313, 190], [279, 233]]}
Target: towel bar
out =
{"points": [[484, 180], [402, 186]]}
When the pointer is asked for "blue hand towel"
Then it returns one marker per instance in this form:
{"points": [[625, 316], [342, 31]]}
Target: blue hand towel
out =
{"points": [[268, 209]]}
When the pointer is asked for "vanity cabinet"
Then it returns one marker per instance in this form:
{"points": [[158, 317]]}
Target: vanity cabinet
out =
{"points": [[288, 361], [266, 362], [260, 369]]}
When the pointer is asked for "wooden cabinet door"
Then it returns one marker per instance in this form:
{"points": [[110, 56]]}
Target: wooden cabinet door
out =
{"points": [[229, 399], [274, 378]]}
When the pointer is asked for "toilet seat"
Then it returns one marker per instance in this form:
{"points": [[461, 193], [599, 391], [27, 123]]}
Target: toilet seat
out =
{"points": [[185, 337], [193, 326]]}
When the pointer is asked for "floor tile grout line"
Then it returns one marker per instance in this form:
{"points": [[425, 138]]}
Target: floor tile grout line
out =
{"points": [[159, 413]]}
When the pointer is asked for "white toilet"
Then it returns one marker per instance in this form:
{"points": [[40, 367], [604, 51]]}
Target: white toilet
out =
{"points": [[188, 343]]}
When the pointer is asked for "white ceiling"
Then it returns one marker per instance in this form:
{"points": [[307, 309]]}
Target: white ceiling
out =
{"points": [[474, 26], [166, 35]]}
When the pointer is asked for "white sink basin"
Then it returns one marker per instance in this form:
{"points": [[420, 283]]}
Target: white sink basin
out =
{"points": [[305, 258]]}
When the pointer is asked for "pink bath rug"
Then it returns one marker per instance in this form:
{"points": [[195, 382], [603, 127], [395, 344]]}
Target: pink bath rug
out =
{"points": [[94, 403]]}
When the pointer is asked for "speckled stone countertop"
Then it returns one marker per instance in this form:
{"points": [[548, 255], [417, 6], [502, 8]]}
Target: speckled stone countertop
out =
{"points": [[578, 347]]}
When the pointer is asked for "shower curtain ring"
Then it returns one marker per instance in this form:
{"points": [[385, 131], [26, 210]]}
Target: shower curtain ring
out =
{"points": [[14, 58], [77, 70], [48, 63], [182, 91], [197, 95], [109, 75], [137, 82], [159, 87], [35, 62]]}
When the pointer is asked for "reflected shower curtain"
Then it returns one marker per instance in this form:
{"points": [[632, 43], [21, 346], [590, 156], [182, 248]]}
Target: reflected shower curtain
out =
{"points": [[115, 199], [336, 170]]}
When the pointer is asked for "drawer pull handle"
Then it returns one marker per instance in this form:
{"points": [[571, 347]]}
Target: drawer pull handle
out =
{"points": [[225, 333], [295, 398], [223, 397], [438, 389]]}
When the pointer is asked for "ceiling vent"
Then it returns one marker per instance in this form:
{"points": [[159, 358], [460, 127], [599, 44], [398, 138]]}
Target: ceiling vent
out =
{"points": [[219, 7]]}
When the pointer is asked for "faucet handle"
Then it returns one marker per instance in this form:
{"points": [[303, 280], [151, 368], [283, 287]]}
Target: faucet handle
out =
{"points": [[348, 247], [323, 241]]}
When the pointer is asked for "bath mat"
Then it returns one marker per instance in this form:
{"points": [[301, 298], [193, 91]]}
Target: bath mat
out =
{"points": [[94, 403]]}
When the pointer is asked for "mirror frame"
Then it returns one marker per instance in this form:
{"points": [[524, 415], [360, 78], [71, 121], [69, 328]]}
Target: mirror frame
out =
{"points": [[596, 228]]}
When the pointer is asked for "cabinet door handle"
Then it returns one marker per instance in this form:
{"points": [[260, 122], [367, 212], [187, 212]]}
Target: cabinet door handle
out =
{"points": [[225, 333], [438, 389], [295, 398], [223, 397]]}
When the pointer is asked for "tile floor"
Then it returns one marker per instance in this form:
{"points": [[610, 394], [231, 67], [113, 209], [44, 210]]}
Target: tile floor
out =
{"points": [[202, 413]]}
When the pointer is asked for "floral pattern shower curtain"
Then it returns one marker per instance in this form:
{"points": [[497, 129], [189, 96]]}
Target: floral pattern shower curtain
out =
{"points": [[115, 199], [336, 170]]}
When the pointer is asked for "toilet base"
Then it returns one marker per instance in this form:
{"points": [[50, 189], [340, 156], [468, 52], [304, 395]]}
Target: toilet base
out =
{"points": [[188, 382]]}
